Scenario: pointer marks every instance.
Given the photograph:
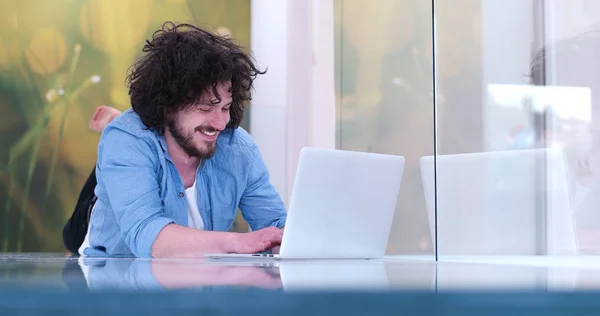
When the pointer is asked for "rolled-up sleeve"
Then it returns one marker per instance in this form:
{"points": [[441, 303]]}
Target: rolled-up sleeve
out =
{"points": [[260, 204], [128, 167]]}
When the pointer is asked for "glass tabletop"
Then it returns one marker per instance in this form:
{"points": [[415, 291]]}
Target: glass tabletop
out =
{"points": [[57, 271]]}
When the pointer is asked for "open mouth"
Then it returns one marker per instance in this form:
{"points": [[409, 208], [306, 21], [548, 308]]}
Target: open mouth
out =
{"points": [[207, 133]]}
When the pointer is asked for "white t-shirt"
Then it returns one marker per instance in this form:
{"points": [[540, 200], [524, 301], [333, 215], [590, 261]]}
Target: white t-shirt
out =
{"points": [[191, 197]]}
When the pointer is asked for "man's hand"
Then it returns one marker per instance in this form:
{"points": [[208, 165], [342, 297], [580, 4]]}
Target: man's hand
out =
{"points": [[257, 241], [276, 249], [175, 241]]}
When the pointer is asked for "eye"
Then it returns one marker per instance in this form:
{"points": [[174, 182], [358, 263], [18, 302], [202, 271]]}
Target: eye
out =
{"points": [[226, 109], [204, 108]]}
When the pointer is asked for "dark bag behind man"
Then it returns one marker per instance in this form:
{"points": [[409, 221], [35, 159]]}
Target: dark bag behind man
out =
{"points": [[76, 228]]}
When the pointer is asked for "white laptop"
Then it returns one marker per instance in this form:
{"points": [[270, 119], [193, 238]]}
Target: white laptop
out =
{"points": [[513, 202], [342, 206]]}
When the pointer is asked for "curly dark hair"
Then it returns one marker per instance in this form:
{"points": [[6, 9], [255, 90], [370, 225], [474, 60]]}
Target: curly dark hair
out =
{"points": [[181, 63], [570, 60]]}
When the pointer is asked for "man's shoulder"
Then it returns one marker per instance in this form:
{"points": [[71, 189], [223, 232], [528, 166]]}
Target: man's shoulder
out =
{"points": [[236, 138], [129, 121], [234, 143], [128, 129]]}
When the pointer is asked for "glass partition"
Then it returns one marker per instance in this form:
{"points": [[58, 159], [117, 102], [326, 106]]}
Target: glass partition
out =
{"points": [[384, 92], [517, 160], [515, 122]]}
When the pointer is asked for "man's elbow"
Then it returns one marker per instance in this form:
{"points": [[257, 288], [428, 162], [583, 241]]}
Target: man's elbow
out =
{"points": [[278, 222], [160, 246], [146, 241]]}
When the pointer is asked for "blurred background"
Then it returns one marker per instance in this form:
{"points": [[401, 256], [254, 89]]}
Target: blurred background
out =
{"points": [[59, 60], [479, 103]]}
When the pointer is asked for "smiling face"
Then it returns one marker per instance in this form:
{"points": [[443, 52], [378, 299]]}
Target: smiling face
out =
{"points": [[195, 130]]}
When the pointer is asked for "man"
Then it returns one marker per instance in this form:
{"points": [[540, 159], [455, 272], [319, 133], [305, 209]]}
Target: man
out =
{"points": [[173, 170], [573, 62]]}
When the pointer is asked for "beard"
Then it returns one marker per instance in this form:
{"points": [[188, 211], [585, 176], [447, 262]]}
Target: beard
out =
{"points": [[186, 141]]}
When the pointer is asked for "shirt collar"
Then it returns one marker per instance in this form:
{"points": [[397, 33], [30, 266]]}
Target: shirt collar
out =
{"points": [[163, 145]]}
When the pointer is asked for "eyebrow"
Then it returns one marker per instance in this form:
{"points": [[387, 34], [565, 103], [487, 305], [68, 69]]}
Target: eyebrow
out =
{"points": [[211, 102], [215, 104]]}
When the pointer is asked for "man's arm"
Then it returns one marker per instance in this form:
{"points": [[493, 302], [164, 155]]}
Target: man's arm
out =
{"points": [[260, 204], [129, 171], [180, 241]]}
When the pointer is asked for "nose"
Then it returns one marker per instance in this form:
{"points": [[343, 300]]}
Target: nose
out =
{"points": [[219, 119]]}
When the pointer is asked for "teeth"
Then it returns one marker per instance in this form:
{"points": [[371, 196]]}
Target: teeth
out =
{"points": [[209, 133]]}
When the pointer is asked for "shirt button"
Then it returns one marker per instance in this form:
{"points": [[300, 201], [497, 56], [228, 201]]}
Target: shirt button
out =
{"points": [[181, 194]]}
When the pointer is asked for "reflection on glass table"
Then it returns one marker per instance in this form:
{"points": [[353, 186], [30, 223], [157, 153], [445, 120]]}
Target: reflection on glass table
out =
{"points": [[144, 274], [542, 273], [131, 274]]}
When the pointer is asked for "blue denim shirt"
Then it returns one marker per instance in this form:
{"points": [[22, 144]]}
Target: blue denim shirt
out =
{"points": [[140, 190]]}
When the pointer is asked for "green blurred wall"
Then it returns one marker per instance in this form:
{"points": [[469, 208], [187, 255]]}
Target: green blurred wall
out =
{"points": [[49, 51]]}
